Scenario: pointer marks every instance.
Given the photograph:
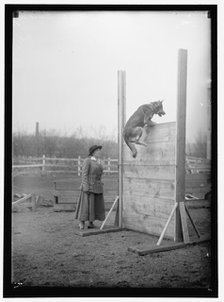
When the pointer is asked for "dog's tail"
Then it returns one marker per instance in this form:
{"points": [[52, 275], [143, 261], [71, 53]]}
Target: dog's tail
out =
{"points": [[129, 144]]}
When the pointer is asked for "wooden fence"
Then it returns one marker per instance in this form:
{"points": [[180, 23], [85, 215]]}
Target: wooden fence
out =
{"points": [[44, 164], [59, 165]]}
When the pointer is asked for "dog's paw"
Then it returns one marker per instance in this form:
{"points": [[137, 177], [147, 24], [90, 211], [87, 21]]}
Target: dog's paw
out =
{"points": [[152, 124], [134, 154]]}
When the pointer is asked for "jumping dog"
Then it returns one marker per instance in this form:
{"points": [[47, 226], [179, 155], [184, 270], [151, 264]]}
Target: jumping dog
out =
{"points": [[139, 119]]}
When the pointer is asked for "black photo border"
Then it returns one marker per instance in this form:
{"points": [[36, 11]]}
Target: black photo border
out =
{"points": [[11, 291]]}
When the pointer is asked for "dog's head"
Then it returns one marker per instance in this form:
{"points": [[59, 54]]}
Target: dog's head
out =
{"points": [[157, 108]]}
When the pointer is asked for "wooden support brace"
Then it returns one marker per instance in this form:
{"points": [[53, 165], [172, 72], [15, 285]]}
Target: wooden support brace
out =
{"points": [[184, 222], [22, 199], [116, 220], [115, 201], [192, 222], [166, 225]]}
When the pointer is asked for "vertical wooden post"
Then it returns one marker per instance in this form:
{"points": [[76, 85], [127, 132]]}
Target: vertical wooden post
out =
{"points": [[180, 139], [79, 166], [33, 202], [121, 122], [108, 165], [43, 163]]}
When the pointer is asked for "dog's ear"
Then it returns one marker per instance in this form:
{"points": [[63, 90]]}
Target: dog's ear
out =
{"points": [[161, 101]]}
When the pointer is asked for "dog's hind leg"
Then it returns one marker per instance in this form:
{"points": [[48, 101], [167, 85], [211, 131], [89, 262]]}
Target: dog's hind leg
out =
{"points": [[131, 136], [137, 135], [141, 143]]}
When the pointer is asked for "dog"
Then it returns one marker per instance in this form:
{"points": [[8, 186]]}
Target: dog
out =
{"points": [[141, 118]]}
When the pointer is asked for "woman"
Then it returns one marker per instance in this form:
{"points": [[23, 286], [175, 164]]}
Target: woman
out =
{"points": [[90, 205]]}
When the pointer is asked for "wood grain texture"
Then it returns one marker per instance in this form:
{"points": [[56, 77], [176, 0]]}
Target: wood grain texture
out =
{"points": [[149, 182], [162, 132], [181, 134], [145, 249], [161, 144], [147, 224], [121, 123], [157, 207], [159, 151], [149, 187], [150, 172], [183, 216]]}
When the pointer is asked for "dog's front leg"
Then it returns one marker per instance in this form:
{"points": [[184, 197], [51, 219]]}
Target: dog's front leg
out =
{"points": [[150, 124]]}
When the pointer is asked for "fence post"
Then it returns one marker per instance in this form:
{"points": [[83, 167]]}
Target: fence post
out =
{"points": [[108, 165], [43, 163], [79, 166], [33, 202]]}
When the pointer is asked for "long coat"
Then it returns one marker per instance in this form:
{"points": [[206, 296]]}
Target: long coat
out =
{"points": [[90, 205], [91, 176]]}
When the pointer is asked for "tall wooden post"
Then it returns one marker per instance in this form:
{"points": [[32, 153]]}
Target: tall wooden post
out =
{"points": [[43, 163], [180, 140], [121, 122]]}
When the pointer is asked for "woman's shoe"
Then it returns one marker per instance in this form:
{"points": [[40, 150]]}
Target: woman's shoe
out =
{"points": [[81, 225], [91, 226]]}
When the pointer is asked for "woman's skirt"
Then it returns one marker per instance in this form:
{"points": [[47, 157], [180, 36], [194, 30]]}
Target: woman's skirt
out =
{"points": [[90, 207]]}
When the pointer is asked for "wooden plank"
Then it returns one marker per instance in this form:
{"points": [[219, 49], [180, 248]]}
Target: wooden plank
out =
{"points": [[121, 123], [180, 137], [196, 185], [67, 201], [147, 224], [27, 166], [145, 205], [65, 207], [197, 180], [149, 249], [198, 203], [89, 232], [150, 187], [161, 132], [162, 151], [67, 186], [167, 224], [149, 163], [67, 193], [115, 202], [151, 172], [198, 192], [198, 177], [74, 199], [184, 222], [28, 196]]}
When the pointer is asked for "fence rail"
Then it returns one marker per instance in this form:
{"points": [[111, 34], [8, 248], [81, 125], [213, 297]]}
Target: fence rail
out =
{"points": [[44, 164], [60, 165]]}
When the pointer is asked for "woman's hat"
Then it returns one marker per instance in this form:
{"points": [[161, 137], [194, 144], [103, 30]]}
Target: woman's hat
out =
{"points": [[94, 148]]}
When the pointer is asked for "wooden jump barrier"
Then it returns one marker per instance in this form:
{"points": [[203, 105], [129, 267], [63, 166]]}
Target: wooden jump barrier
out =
{"points": [[152, 185]]}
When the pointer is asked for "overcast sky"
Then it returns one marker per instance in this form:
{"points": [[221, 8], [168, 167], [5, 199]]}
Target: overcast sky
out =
{"points": [[65, 68]]}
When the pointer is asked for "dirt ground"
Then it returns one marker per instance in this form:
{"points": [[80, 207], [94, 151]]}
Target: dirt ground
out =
{"points": [[47, 252]]}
